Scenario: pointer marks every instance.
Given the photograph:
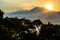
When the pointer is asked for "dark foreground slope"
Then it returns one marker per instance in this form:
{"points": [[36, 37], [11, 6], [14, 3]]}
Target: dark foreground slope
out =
{"points": [[25, 29]]}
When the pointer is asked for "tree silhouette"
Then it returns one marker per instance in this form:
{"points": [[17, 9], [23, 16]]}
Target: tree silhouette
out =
{"points": [[37, 22], [1, 14]]}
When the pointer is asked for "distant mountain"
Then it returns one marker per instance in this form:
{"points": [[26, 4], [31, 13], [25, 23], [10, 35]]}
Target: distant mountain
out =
{"points": [[25, 13], [36, 13], [37, 9], [34, 10]]}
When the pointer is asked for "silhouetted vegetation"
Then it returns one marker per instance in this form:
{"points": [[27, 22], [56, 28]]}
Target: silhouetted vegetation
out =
{"points": [[25, 29]]}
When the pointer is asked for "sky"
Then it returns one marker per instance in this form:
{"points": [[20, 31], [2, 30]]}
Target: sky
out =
{"points": [[14, 5]]}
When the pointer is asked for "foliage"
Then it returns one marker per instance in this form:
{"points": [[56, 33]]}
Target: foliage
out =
{"points": [[25, 29]]}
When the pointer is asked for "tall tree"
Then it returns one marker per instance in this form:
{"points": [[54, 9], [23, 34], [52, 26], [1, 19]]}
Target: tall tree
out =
{"points": [[1, 14]]}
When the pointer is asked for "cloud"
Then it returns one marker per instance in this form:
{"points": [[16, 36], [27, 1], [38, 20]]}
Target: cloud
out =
{"points": [[27, 6], [13, 5]]}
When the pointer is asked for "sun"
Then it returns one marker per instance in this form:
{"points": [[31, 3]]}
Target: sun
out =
{"points": [[49, 7]]}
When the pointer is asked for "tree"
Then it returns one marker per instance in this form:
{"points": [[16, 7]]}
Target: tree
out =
{"points": [[37, 22], [1, 14]]}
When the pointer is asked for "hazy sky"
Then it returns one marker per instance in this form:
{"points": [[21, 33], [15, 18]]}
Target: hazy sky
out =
{"points": [[13, 5]]}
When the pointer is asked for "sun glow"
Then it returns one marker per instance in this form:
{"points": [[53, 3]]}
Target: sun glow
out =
{"points": [[49, 7]]}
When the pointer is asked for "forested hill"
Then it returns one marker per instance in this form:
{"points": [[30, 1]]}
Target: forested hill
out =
{"points": [[25, 29]]}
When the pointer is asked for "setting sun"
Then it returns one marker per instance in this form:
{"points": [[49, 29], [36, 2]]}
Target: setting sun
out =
{"points": [[49, 7]]}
